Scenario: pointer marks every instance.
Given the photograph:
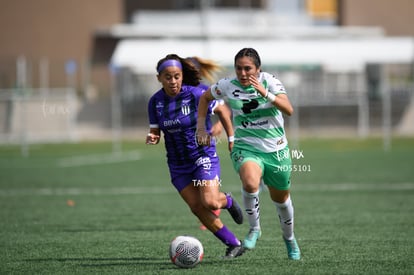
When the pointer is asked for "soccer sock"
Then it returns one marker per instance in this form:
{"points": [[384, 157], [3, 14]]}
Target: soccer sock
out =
{"points": [[285, 212], [227, 237], [251, 204], [229, 201]]}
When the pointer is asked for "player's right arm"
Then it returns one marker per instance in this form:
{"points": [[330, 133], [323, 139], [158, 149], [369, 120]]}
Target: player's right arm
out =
{"points": [[153, 136]]}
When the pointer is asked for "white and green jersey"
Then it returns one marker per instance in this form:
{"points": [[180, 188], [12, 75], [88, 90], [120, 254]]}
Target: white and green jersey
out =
{"points": [[258, 124]]}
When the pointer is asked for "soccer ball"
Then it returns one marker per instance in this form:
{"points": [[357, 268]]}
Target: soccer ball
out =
{"points": [[186, 251]]}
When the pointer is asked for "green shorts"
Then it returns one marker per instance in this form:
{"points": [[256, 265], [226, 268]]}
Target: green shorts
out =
{"points": [[276, 166]]}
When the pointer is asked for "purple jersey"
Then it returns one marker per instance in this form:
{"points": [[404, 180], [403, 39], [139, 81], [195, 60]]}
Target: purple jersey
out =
{"points": [[203, 86], [177, 119]]}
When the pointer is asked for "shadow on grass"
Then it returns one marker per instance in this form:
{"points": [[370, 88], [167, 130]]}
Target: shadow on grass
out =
{"points": [[143, 228], [141, 263], [106, 262]]}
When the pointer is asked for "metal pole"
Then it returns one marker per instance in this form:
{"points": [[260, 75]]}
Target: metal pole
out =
{"points": [[115, 112], [386, 109], [71, 68], [363, 109], [70, 112], [292, 80], [44, 76], [21, 84], [294, 119], [205, 36]]}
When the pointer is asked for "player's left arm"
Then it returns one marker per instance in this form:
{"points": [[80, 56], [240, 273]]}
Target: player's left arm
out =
{"points": [[203, 138], [216, 129], [277, 95], [282, 102]]}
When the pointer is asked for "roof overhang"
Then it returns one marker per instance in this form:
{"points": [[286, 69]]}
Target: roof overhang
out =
{"points": [[142, 55]]}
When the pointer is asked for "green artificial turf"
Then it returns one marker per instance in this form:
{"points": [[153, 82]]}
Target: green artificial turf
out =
{"points": [[79, 209]]}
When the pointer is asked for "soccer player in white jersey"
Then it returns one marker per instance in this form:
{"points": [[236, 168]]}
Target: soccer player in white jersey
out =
{"points": [[260, 151]]}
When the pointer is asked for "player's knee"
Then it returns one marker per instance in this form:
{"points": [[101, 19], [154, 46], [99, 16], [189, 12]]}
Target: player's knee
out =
{"points": [[251, 182], [251, 185]]}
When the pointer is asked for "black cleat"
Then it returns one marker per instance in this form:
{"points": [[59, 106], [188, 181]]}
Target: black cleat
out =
{"points": [[235, 211], [234, 251]]}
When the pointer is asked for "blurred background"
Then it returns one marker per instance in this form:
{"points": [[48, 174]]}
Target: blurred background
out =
{"points": [[84, 70]]}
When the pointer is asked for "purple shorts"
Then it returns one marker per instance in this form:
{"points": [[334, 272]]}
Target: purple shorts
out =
{"points": [[204, 168]]}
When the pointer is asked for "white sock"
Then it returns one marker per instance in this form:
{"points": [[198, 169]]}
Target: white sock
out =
{"points": [[285, 212], [251, 204]]}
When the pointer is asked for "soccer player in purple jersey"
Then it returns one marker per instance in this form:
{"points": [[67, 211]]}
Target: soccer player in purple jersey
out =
{"points": [[194, 169], [207, 68]]}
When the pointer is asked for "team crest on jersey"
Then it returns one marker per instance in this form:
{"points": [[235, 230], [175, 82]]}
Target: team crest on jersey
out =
{"points": [[186, 109]]}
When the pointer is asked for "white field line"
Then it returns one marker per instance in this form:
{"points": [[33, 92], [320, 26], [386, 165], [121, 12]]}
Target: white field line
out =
{"points": [[78, 191], [98, 159]]}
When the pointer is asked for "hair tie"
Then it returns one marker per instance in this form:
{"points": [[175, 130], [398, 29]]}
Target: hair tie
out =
{"points": [[169, 63]]}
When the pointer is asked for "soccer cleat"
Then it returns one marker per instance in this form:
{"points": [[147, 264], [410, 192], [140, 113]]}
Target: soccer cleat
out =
{"points": [[292, 249], [235, 210], [234, 251], [251, 238]]}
